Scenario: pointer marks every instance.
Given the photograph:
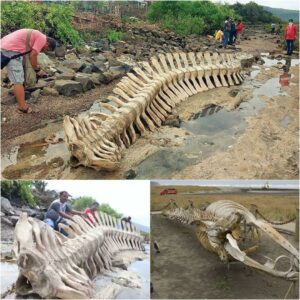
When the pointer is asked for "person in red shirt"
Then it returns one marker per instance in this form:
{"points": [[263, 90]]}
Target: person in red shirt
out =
{"points": [[239, 29], [290, 36], [17, 43], [91, 210]]}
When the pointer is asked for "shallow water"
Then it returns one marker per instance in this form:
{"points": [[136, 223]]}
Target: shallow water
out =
{"points": [[9, 274]]}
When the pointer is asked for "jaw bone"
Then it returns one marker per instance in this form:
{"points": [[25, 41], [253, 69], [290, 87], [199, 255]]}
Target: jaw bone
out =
{"points": [[143, 100], [53, 265], [219, 231]]}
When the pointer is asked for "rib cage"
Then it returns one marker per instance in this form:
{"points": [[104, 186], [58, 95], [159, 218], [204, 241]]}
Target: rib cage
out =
{"points": [[143, 99], [57, 266], [219, 230]]}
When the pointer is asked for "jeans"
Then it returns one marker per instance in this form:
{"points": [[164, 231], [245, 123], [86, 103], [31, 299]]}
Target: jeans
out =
{"points": [[226, 38], [290, 46]]}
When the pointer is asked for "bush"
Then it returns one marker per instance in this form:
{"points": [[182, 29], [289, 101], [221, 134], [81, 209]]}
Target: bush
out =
{"points": [[190, 17], [13, 189], [84, 202], [114, 36], [53, 19]]}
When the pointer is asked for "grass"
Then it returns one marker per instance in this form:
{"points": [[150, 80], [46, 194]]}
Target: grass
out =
{"points": [[273, 206], [114, 36]]}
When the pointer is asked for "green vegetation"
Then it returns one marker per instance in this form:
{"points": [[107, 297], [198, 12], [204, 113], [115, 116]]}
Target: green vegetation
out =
{"points": [[284, 14], [190, 17], [253, 13], [19, 189], [53, 19], [84, 202], [114, 36]]}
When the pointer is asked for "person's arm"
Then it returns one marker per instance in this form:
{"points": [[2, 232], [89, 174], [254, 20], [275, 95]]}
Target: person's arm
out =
{"points": [[33, 59], [76, 212], [64, 215]]}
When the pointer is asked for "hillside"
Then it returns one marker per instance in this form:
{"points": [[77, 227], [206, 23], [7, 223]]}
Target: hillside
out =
{"points": [[284, 14]]}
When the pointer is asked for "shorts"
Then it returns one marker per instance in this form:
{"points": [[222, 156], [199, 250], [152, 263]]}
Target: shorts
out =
{"points": [[15, 69]]}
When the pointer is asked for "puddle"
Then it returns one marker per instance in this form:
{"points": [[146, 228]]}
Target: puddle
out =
{"points": [[212, 129], [9, 274], [284, 61]]}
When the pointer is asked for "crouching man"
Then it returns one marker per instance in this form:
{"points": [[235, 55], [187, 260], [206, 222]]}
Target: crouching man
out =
{"points": [[59, 211], [27, 44]]}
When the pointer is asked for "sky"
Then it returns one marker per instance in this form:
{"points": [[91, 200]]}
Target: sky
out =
{"points": [[286, 184], [287, 4], [131, 198]]}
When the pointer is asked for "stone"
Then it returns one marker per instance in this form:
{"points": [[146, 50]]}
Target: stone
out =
{"points": [[130, 174], [44, 61], [98, 66], [71, 56], [95, 77], [173, 121], [48, 91], [75, 65], [35, 95], [60, 51], [65, 76], [234, 92], [87, 69], [6, 207], [86, 81], [100, 57], [68, 87]]}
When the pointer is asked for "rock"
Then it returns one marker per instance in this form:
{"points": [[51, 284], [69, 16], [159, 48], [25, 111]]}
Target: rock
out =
{"points": [[68, 87], [106, 77], [234, 92], [44, 61], [96, 78], [75, 65], [173, 121], [99, 66], [60, 51], [260, 61], [130, 174], [6, 206], [87, 69], [48, 91], [71, 56], [35, 95], [65, 76], [100, 57], [86, 82], [119, 71]]}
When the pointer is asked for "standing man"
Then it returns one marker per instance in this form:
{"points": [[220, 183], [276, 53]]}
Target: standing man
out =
{"points": [[232, 35], [126, 220], [239, 30], [59, 211], [227, 29], [22, 41], [273, 28], [290, 36]]}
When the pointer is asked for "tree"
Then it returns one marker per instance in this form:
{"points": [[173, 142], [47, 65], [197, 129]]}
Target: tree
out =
{"points": [[19, 191], [85, 201]]}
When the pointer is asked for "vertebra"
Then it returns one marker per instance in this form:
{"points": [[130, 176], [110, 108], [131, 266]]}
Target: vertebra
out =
{"points": [[143, 100]]}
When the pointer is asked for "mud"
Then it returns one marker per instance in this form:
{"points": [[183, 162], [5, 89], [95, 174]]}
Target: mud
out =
{"points": [[184, 269]]}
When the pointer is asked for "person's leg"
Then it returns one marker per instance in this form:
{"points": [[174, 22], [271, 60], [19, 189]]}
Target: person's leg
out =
{"points": [[19, 92], [288, 47], [292, 46]]}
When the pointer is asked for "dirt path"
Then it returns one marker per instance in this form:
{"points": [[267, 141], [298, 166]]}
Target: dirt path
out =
{"points": [[184, 269]]}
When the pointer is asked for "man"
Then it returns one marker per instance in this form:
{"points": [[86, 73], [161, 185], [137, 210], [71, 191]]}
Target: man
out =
{"points": [[16, 43], [91, 210], [279, 29], [227, 29], [232, 35], [290, 36], [59, 210], [219, 35], [273, 28], [239, 30], [126, 220]]}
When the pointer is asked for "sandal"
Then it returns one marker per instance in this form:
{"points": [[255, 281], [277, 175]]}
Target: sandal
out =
{"points": [[27, 110]]}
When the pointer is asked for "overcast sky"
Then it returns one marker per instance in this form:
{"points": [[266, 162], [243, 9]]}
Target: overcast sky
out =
{"points": [[131, 198], [286, 184], [287, 4]]}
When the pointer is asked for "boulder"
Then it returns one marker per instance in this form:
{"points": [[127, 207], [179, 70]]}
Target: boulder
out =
{"points": [[100, 57], [6, 206], [60, 51], [71, 56], [86, 82], [65, 76], [87, 69], [75, 65], [44, 61], [48, 91], [35, 95], [98, 66], [68, 87]]}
